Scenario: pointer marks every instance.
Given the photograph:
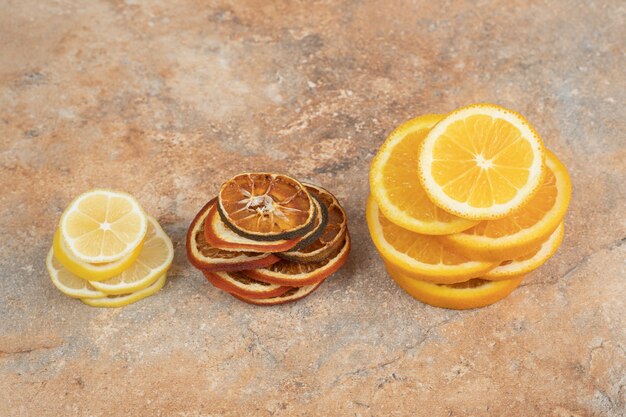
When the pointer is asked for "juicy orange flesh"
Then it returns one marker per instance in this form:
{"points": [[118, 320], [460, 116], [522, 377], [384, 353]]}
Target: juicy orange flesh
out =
{"points": [[424, 248], [481, 161], [266, 204], [401, 181], [529, 215], [472, 283]]}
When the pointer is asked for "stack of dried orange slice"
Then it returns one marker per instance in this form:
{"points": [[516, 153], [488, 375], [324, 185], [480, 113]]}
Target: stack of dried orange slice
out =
{"points": [[268, 239], [464, 205], [107, 251]]}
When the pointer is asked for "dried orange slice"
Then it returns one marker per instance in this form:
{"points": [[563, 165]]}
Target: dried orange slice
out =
{"points": [[417, 255], [296, 274], [321, 220], [208, 258], [220, 236], [332, 236], [530, 262], [395, 184], [473, 293], [240, 284], [525, 230], [264, 206], [481, 162], [293, 294]]}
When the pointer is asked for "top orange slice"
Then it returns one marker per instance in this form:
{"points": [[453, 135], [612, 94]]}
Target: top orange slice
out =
{"points": [[103, 226], [395, 184], [264, 206], [526, 229], [481, 162]]}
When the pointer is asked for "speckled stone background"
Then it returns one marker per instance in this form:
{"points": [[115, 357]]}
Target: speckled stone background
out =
{"points": [[166, 99]]}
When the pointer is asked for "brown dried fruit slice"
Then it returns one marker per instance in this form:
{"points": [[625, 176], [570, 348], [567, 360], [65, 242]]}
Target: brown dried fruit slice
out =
{"points": [[264, 206], [298, 274], [239, 284], [321, 221], [220, 236], [206, 257], [293, 294], [332, 237]]}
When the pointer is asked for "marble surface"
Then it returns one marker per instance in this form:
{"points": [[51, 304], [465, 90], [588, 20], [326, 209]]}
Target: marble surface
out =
{"points": [[167, 99]]}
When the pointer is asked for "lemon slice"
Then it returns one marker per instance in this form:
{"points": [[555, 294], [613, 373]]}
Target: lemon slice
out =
{"points": [[102, 226], [481, 162], [154, 259], [124, 300], [530, 262], [420, 256], [395, 184], [68, 283], [86, 270], [473, 293]]}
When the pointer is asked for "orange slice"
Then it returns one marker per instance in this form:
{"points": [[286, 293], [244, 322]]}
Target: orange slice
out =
{"points": [[264, 206], [526, 229], [220, 236], [481, 162], [421, 256], [528, 263], [331, 238], [297, 274], [395, 184], [239, 284], [293, 294], [208, 258], [473, 293]]}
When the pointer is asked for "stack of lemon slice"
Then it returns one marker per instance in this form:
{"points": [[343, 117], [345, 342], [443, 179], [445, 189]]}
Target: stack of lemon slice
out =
{"points": [[107, 252], [464, 205]]}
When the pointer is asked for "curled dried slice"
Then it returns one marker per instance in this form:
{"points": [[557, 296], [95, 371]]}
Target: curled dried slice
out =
{"points": [[240, 284], [333, 236], [220, 236], [321, 220], [206, 257], [298, 274], [293, 294], [264, 206]]}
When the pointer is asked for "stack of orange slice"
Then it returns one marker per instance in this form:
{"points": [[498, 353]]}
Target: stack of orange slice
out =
{"points": [[464, 205], [268, 239]]}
